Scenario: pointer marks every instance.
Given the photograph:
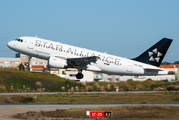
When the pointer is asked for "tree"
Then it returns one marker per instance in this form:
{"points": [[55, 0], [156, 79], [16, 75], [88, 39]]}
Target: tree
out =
{"points": [[176, 62], [21, 67], [165, 63], [171, 73]]}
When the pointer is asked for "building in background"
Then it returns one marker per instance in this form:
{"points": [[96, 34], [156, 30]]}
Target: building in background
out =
{"points": [[88, 75], [169, 67], [10, 62], [40, 65]]}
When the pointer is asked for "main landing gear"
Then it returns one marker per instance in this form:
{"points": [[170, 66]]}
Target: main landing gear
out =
{"points": [[28, 63], [79, 75]]}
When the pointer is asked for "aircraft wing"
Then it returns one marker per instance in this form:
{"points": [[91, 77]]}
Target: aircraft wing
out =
{"points": [[82, 61]]}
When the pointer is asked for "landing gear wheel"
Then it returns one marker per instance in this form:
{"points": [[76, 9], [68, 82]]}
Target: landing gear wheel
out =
{"points": [[79, 76], [28, 63]]}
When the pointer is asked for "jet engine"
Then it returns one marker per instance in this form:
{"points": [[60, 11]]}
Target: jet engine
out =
{"points": [[57, 62]]}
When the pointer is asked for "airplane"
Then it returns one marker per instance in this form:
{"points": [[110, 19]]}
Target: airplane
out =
{"points": [[65, 56]]}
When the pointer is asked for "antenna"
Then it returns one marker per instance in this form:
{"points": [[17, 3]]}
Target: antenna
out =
{"points": [[36, 36]]}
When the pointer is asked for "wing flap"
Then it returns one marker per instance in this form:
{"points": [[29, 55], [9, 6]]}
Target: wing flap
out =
{"points": [[83, 61]]}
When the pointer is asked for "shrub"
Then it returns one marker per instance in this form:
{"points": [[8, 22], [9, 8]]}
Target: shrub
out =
{"points": [[171, 73], [165, 80], [129, 80], [26, 100], [172, 89], [152, 86], [126, 89], [149, 79]]}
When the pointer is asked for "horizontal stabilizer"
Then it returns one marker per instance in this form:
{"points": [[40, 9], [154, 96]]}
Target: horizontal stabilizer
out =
{"points": [[153, 69]]}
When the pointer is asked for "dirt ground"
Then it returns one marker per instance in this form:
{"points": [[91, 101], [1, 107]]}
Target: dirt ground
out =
{"points": [[7, 113], [119, 112]]}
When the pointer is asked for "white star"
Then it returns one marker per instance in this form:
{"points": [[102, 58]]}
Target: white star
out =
{"points": [[157, 59], [150, 54], [159, 54], [155, 50], [151, 59]]}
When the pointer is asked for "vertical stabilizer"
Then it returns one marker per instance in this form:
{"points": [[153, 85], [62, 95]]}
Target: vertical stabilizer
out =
{"points": [[156, 53]]}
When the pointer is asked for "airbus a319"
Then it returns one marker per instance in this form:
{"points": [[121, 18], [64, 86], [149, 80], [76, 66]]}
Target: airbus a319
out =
{"points": [[64, 56]]}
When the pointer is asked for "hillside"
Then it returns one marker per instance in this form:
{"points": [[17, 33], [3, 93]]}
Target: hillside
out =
{"points": [[24, 81], [17, 81]]}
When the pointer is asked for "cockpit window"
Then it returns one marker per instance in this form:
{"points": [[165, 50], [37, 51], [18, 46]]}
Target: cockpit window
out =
{"points": [[20, 40]]}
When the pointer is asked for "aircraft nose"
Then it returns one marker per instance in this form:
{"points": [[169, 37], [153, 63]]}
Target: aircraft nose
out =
{"points": [[10, 44]]}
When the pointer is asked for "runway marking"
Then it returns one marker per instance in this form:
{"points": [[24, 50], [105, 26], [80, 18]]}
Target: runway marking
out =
{"points": [[20, 107]]}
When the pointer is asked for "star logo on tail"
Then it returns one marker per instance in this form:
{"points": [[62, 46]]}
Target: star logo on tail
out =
{"points": [[155, 55]]}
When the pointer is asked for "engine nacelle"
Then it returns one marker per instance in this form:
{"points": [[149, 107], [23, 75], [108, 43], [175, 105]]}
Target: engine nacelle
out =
{"points": [[57, 62]]}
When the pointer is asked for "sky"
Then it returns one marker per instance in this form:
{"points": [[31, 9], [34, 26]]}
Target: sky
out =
{"points": [[124, 28]]}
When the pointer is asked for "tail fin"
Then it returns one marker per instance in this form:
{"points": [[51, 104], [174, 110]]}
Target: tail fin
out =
{"points": [[156, 53]]}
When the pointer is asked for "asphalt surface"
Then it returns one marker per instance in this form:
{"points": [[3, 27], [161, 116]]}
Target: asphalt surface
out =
{"points": [[67, 106], [41, 93]]}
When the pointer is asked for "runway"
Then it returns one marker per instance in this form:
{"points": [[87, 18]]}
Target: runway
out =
{"points": [[67, 106], [7, 110]]}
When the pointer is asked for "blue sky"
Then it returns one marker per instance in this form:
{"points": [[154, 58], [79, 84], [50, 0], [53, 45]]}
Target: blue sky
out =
{"points": [[124, 28]]}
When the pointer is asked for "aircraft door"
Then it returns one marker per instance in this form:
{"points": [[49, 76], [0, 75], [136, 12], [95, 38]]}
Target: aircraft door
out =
{"points": [[30, 45], [130, 67]]}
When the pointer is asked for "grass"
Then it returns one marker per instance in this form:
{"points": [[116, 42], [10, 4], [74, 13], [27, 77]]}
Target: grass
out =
{"points": [[147, 85], [97, 98], [18, 79], [24, 81], [119, 112]]}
